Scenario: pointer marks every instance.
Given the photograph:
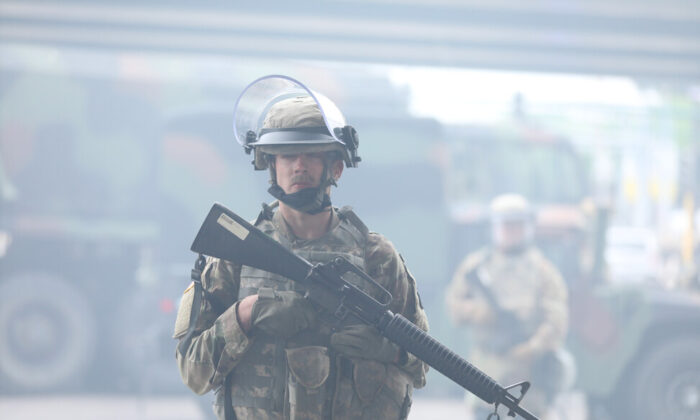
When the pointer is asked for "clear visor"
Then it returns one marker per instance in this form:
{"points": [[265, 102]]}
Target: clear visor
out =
{"points": [[257, 98]]}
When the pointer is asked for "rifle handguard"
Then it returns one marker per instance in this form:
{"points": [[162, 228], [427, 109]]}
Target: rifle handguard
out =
{"points": [[414, 340]]}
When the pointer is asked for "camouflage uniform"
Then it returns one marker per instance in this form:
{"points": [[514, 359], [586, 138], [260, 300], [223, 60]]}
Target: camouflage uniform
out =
{"points": [[302, 377], [529, 286]]}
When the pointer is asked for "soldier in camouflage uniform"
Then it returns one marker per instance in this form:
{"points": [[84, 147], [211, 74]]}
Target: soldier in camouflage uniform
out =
{"points": [[511, 290], [267, 352]]}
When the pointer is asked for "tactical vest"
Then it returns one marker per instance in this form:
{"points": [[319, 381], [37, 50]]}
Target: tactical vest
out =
{"points": [[514, 286], [302, 377]]}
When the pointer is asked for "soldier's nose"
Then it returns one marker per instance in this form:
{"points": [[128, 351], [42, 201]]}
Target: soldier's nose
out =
{"points": [[300, 163]]}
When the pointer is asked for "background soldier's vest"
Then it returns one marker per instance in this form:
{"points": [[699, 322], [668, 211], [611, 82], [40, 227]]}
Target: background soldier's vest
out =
{"points": [[513, 284], [295, 376]]}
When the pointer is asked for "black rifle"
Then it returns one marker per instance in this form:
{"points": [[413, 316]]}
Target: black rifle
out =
{"points": [[508, 326], [226, 235], [548, 367]]}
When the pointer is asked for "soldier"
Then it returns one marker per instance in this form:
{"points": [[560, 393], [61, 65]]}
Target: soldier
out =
{"points": [[258, 342], [516, 303]]}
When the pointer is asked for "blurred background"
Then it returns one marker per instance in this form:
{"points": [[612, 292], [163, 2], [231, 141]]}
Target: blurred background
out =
{"points": [[116, 138]]}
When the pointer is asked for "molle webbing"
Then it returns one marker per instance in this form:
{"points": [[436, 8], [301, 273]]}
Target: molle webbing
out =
{"points": [[259, 379]]}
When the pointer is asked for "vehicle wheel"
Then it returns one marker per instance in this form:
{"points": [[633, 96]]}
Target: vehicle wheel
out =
{"points": [[47, 332], [667, 383]]}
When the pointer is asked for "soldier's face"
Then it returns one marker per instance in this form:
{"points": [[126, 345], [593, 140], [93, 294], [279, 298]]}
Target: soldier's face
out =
{"points": [[509, 235], [304, 170]]}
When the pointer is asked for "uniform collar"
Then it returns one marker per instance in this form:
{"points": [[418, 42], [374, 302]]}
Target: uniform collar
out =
{"points": [[283, 227]]}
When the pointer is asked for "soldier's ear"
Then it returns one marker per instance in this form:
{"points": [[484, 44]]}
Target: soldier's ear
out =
{"points": [[337, 169]]}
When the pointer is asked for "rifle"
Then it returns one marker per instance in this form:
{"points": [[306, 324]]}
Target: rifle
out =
{"points": [[549, 367], [227, 236], [506, 322]]}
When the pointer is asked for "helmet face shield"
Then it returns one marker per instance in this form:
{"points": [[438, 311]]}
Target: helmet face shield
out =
{"points": [[509, 208], [512, 222], [259, 98]]}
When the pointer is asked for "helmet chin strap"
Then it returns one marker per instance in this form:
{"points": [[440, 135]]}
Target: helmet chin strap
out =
{"points": [[308, 200], [312, 200]]}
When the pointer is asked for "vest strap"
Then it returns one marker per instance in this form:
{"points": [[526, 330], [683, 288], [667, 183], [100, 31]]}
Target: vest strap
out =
{"points": [[229, 413], [347, 213], [267, 212]]}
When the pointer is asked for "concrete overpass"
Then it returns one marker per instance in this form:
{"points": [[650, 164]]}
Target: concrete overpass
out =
{"points": [[650, 40]]}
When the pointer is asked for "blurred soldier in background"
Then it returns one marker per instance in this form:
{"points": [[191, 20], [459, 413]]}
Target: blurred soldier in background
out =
{"points": [[515, 301], [258, 341]]}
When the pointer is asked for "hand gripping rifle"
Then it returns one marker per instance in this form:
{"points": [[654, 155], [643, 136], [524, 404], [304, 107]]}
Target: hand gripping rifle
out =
{"points": [[226, 235]]}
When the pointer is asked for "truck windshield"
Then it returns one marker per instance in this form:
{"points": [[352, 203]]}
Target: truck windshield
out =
{"points": [[545, 172]]}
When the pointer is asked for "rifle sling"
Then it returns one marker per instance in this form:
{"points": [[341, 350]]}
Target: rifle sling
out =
{"points": [[196, 276], [229, 413], [474, 278]]}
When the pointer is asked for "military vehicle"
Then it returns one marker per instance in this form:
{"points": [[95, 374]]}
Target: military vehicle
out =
{"points": [[635, 345], [100, 196]]}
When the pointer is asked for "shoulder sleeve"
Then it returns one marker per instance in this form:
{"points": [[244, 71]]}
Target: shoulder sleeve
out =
{"points": [[387, 267], [553, 301], [220, 291], [219, 341]]}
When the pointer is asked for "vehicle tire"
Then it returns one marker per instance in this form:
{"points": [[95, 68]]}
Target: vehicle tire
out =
{"points": [[47, 333], [667, 382]]}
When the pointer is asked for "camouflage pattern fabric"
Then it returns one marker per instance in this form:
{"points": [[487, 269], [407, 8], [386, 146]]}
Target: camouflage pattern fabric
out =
{"points": [[300, 377], [529, 286]]}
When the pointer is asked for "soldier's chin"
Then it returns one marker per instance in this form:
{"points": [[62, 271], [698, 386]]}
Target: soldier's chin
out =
{"points": [[513, 248], [301, 186]]}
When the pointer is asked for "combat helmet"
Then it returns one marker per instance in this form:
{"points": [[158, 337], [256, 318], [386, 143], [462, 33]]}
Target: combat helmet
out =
{"points": [[511, 208], [277, 112], [508, 211], [279, 115]]}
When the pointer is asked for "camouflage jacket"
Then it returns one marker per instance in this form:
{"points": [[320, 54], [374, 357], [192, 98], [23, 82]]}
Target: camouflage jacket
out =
{"points": [[271, 378], [530, 288], [526, 285]]}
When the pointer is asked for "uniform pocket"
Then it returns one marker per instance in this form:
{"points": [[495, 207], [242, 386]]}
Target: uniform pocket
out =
{"points": [[368, 378], [391, 390], [309, 368]]}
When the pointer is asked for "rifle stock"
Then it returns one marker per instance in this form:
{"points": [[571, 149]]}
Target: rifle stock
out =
{"points": [[226, 235]]}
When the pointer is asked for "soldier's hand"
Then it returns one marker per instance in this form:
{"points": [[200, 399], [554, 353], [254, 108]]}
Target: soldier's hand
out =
{"points": [[282, 313], [364, 342]]}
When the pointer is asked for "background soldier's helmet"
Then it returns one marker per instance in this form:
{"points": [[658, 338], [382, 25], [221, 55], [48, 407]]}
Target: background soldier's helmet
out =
{"points": [[279, 115], [511, 208], [507, 212]]}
